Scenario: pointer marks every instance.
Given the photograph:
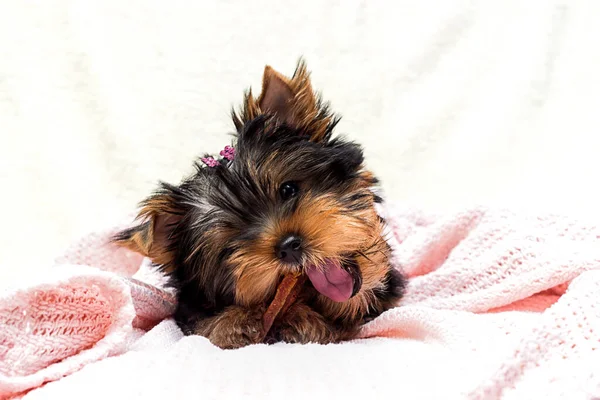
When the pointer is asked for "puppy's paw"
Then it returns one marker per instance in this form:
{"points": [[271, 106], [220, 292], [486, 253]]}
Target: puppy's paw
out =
{"points": [[234, 328], [301, 324]]}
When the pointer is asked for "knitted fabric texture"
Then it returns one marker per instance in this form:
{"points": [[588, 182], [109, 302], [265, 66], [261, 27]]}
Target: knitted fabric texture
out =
{"points": [[498, 305], [88, 307]]}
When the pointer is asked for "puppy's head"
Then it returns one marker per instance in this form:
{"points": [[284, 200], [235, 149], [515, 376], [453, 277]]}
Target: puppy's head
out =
{"points": [[292, 200]]}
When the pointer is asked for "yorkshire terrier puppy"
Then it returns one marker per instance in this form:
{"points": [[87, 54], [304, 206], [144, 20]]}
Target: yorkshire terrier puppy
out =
{"points": [[286, 198]]}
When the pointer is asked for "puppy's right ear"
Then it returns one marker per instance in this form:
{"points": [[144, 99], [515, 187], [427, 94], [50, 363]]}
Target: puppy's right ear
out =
{"points": [[292, 101], [153, 238], [277, 96]]}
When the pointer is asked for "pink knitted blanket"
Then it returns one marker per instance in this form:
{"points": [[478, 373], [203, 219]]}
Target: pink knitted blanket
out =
{"points": [[499, 305], [88, 307]]}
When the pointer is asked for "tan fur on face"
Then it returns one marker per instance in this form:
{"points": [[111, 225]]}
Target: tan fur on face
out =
{"points": [[374, 267], [329, 231]]}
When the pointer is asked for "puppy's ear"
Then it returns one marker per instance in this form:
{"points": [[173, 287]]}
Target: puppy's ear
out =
{"points": [[153, 238], [292, 101], [277, 97]]}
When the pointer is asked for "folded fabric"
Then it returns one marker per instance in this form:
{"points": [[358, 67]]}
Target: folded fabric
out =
{"points": [[498, 305], [77, 313]]}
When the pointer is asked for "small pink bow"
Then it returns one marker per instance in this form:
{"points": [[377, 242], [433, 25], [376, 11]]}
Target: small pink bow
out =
{"points": [[227, 153]]}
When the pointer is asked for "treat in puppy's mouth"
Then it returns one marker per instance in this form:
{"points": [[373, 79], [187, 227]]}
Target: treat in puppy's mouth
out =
{"points": [[286, 198], [285, 296]]}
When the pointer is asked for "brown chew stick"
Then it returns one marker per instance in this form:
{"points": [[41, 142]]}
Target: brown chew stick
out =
{"points": [[286, 294]]}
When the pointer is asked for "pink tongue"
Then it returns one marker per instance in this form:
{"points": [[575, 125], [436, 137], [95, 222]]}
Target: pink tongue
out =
{"points": [[331, 280]]}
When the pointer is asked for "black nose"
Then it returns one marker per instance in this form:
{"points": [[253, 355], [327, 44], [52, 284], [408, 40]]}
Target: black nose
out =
{"points": [[289, 249]]}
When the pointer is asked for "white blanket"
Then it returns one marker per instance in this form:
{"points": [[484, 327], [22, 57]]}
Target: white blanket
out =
{"points": [[498, 306]]}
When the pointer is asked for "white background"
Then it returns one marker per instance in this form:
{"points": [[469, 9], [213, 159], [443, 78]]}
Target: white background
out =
{"points": [[456, 102]]}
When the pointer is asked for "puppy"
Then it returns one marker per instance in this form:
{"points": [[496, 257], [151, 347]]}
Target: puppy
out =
{"points": [[287, 197]]}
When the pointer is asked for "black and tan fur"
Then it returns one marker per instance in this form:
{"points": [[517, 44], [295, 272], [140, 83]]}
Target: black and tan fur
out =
{"points": [[215, 233]]}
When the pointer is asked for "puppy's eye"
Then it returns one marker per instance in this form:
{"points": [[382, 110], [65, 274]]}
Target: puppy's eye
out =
{"points": [[288, 190]]}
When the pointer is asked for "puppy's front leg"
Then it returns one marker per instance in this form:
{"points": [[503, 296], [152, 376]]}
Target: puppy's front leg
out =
{"points": [[234, 328], [302, 324]]}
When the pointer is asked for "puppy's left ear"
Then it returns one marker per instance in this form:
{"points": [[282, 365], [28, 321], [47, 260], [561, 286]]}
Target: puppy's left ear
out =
{"points": [[153, 238]]}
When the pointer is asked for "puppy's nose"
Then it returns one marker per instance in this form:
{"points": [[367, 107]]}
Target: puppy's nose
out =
{"points": [[289, 249]]}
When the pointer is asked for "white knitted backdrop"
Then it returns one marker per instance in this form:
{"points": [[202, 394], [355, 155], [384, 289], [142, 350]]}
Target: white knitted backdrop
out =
{"points": [[455, 101]]}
